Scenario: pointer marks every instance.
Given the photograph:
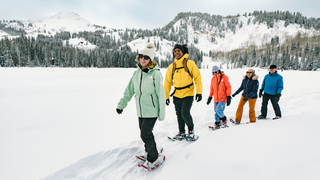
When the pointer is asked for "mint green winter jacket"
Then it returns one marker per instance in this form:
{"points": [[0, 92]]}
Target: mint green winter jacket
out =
{"points": [[149, 93]]}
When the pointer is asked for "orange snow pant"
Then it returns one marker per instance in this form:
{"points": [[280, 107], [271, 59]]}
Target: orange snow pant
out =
{"points": [[252, 113]]}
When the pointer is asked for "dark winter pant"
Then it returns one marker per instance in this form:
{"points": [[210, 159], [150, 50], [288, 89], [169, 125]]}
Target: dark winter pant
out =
{"points": [[275, 105], [183, 107], [146, 126]]}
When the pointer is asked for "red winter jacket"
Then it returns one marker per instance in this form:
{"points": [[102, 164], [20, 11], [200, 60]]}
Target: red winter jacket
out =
{"points": [[220, 87]]}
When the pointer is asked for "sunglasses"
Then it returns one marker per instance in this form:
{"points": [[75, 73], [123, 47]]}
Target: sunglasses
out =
{"points": [[249, 72], [144, 56], [214, 72]]}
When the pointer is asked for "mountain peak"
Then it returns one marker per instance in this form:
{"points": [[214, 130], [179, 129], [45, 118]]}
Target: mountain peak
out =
{"points": [[63, 21], [67, 14]]}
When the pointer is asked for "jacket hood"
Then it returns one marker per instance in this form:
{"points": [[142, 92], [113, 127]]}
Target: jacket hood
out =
{"points": [[254, 77]]}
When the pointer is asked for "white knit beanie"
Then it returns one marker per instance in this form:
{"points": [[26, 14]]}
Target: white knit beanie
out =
{"points": [[148, 50]]}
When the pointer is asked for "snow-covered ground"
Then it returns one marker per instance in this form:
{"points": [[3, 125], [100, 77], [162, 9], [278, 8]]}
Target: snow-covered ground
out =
{"points": [[62, 124]]}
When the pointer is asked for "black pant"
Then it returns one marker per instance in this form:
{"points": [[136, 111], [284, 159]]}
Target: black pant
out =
{"points": [[183, 107], [275, 105], [146, 126]]}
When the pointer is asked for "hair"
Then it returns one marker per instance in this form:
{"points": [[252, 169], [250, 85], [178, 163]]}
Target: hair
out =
{"points": [[183, 48]]}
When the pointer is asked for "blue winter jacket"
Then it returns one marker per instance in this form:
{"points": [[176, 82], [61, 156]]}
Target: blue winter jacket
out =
{"points": [[250, 87], [272, 84]]}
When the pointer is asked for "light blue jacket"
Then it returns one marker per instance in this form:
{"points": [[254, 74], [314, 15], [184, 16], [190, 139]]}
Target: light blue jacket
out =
{"points": [[149, 93], [272, 84]]}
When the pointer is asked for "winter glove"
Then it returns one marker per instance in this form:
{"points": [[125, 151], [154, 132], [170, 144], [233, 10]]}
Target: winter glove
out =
{"points": [[260, 93], [233, 95], [245, 98], [277, 98], [228, 100], [167, 102], [119, 111], [209, 100], [198, 97]]}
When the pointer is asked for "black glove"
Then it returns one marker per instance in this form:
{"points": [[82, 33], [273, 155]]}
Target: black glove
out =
{"points": [[260, 93], [245, 98], [167, 102], [233, 95], [119, 111], [198, 97], [228, 100], [209, 100], [277, 98]]}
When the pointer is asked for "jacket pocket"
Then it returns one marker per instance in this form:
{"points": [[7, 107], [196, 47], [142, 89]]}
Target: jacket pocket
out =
{"points": [[152, 101]]}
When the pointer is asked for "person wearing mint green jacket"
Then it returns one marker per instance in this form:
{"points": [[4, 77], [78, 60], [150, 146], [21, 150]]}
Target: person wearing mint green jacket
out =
{"points": [[147, 85]]}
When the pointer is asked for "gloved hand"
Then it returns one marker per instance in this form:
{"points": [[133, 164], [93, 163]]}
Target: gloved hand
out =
{"points": [[277, 98], [209, 100], [228, 100], [198, 97], [167, 102], [119, 111], [260, 93], [234, 94], [245, 98]]}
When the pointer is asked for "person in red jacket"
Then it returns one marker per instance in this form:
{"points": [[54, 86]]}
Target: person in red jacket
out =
{"points": [[220, 88]]}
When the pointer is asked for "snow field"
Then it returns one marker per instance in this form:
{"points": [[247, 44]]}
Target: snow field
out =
{"points": [[62, 124]]}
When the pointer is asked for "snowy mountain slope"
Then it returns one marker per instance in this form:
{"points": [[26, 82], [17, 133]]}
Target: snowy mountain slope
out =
{"points": [[244, 36], [63, 21], [67, 128], [50, 25], [205, 36]]}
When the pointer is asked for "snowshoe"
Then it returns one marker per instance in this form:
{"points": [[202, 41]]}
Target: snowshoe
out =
{"points": [[180, 136], [143, 156], [150, 166], [191, 136]]}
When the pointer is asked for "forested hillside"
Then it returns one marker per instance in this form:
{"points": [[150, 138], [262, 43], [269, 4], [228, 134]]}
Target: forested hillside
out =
{"points": [[287, 39]]}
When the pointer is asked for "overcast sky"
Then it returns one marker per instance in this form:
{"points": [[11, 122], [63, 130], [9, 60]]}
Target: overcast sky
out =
{"points": [[146, 14]]}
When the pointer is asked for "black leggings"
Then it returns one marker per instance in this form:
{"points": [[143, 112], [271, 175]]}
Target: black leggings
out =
{"points": [[146, 126]]}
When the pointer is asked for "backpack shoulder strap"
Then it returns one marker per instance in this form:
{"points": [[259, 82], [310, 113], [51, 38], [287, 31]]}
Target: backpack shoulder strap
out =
{"points": [[173, 68], [186, 67]]}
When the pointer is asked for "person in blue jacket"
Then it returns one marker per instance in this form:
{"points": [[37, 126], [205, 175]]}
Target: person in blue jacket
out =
{"points": [[249, 86], [272, 85]]}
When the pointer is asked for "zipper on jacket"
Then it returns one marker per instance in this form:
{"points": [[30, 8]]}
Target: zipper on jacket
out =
{"points": [[140, 95], [152, 100], [217, 88], [247, 87]]}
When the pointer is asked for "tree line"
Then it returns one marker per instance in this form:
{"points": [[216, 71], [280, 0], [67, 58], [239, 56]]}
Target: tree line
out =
{"points": [[298, 53], [44, 51]]}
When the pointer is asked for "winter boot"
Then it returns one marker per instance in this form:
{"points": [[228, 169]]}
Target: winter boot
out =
{"points": [[191, 136], [180, 136], [217, 125], [224, 120], [277, 117], [261, 117]]}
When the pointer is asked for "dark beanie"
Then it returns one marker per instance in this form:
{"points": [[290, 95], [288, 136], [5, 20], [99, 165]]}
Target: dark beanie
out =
{"points": [[273, 66], [180, 47]]}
